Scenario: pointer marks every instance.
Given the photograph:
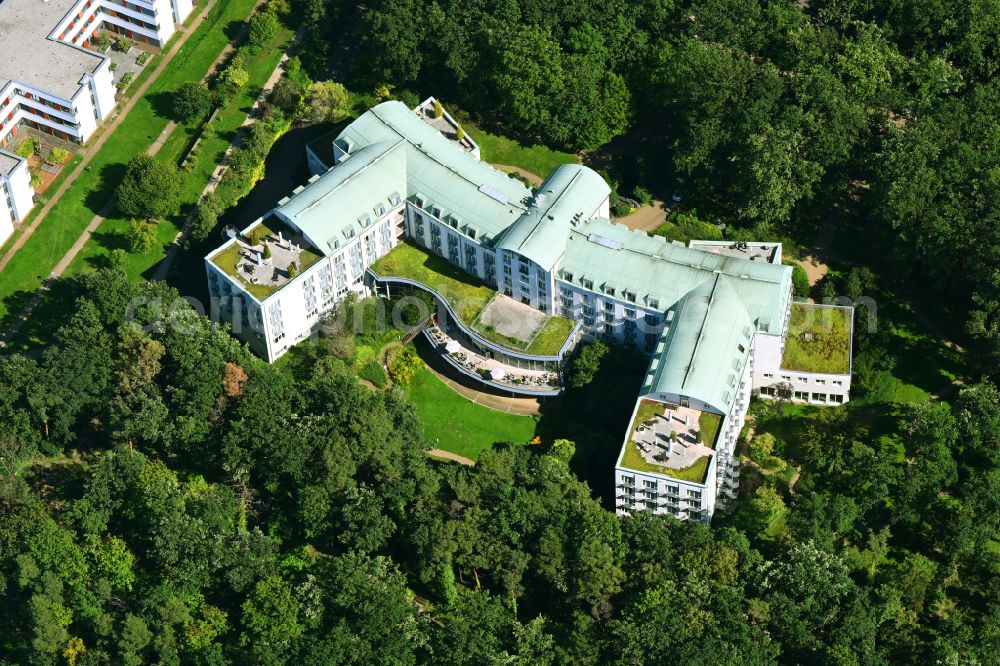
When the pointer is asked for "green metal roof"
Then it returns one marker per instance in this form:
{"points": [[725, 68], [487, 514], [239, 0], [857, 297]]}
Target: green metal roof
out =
{"points": [[570, 193], [473, 193], [339, 205], [704, 347], [606, 254]]}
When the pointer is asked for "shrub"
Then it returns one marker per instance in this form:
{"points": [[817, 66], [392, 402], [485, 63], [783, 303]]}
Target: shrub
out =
{"points": [[403, 365], [459, 133], [293, 270], [325, 101], [123, 44], [141, 236], [104, 42], [36, 180], [762, 446], [125, 81], [686, 226], [642, 195], [375, 373], [142, 59], [192, 102], [26, 148], [438, 109], [231, 79], [58, 155], [800, 279], [203, 220]]}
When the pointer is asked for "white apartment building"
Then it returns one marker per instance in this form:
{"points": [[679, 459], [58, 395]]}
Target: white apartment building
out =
{"points": [[15, 192], [716, 318], [50, 80]]}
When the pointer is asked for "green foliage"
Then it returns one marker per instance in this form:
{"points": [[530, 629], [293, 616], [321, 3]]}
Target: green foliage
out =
{"points": [[686, 226], [58, 155], [122, 43], [800, 279], [230, 80], [192, 102], [762, 446], [263, 26], [27, 147], [325, 101], [587, 363], [141, 236], [375, 373], [403, 364], [150, 188]]}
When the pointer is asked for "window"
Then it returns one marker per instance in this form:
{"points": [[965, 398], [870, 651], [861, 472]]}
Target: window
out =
{"points": [[568, 277], [837, 382], [821, 397], [654, 303], [628, 480], [672, 489], [801, 395], [821, 381], [786, 378], [649, 484], [839, 399], [652, 320], [630, 313], [768, 375], [694, 494]]}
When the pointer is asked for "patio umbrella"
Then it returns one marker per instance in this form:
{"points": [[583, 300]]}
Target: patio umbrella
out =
{"points": [[452, 346], [496, 374]]}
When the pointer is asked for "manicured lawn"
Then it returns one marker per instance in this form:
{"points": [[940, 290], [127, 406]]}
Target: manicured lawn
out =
{"points": [[550, 339], [89, 192], [463, 292], [455, 424], [819, 339], [539, 160], [709, 424]]}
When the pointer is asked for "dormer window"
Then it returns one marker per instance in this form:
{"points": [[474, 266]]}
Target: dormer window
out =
{"points": [[379, 210], [568, 277], [654, 303], [629, 296], [364, 220], [395, 199]]}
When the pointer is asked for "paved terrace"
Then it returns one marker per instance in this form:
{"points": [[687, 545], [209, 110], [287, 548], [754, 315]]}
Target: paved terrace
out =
{"points": [[671, 440], [245, 260]]}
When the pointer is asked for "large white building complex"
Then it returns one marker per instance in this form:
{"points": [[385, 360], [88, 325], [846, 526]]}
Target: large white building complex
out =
{"points": [[520, 276], [50, 77]]}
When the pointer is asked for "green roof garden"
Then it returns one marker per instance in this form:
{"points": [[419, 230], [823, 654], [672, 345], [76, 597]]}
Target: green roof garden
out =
{"points": [[691, 447], [819, 339], [238, 259], [470, 300]]}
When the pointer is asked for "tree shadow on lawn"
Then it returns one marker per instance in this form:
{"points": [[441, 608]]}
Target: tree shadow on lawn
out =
{"points": [[162, 103], [596, 418], [111, 175], [39, 329]]}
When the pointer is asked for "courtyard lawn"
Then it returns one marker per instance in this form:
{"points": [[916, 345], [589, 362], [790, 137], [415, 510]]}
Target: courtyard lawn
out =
{"points": [[465, 295], [453, 423], [819, 339], [708, 424], [496, 149], [95, 186]]}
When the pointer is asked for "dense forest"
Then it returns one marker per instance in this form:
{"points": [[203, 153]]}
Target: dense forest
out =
{"points": [[766, 114], [166, 497]]}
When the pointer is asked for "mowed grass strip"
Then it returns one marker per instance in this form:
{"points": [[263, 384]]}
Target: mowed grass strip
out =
{"points": [[537, 159], [453, 423], [95, 186]]}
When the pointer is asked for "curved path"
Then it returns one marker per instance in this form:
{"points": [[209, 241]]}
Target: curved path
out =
{"points": [[511, 169]]}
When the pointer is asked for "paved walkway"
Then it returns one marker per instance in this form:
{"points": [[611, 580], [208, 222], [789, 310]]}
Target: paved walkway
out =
{"points": [[647, 218], [534, 178], [106, 131]]}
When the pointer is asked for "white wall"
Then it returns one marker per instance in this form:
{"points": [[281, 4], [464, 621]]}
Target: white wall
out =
{"points": [[768, 350], [19, 188]]}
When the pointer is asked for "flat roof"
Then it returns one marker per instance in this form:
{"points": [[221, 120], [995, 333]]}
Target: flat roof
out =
{"points": [[7, 163], [28, 56]]}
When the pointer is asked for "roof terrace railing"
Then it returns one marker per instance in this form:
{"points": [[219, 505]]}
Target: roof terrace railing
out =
{"points": [[469, 331]]}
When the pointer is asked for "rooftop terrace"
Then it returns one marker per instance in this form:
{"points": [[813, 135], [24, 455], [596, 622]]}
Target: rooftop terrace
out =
{"points": [[246, 257], [819, 339], [671, 440], [494, 316]]}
